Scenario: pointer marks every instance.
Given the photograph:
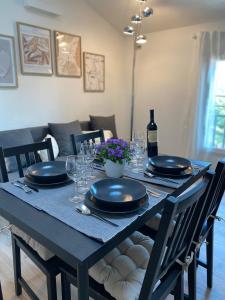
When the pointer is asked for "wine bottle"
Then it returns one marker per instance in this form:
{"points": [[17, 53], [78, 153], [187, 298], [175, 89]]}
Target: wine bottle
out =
{"points": [[152, 136]]}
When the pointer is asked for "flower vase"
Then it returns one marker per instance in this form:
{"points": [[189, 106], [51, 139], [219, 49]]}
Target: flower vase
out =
{"points": [[114, 169]]}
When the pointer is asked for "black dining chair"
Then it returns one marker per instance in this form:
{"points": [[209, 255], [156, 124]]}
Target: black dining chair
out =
{"points": [[205, 231], [86, 137], [168, 255], [1, 296], [20, 241]]}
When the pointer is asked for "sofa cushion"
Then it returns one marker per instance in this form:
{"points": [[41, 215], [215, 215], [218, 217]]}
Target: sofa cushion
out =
{"points": [[62, 132], [123, 269], [44, 153], [12, 138], [44, 253], [39, 132], [107, 123]]}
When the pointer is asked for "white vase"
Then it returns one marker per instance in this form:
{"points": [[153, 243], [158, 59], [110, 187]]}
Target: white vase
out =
{"points": [[113, 169]]}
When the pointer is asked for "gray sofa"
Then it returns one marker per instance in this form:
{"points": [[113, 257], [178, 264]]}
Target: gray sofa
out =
{"points": [[39, 132], [29, 135]]}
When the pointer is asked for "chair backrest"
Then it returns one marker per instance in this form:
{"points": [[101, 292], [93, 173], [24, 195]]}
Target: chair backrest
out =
{"points": [[168, 248], [25, 150], [214, 198], [86, 137]]}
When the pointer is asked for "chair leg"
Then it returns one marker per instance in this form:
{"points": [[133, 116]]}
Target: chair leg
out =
{"points": [[192, 279], [16, 266], [209, 257], [65, 285], [179, 288], [51, 287]]}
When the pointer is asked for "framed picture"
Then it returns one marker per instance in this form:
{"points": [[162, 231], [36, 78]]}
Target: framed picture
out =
{"points": [[94, 72], [67, 54], [35, 49], [8, 74]]}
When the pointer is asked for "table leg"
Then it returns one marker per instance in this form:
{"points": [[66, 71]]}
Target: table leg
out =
{"points": [[82, 282]]}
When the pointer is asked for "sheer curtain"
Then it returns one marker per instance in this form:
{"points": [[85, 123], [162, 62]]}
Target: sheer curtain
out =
{"points": [[210, 48]]}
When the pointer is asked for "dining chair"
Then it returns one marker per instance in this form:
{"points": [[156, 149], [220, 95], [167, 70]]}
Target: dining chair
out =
{"points": [[205, 230], [86, 137], [1, 296], [40, 256], [140, 268]]}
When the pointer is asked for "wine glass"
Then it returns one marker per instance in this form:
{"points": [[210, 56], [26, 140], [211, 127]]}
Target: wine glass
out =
{"points": [[139, 154], [73, 169], [90, 156]]}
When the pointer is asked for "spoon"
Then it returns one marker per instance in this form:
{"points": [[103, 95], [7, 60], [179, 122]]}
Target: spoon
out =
{"points": [[84, 210]]}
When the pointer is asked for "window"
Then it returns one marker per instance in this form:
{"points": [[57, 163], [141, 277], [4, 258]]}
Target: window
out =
{"points": [[216, 111]]}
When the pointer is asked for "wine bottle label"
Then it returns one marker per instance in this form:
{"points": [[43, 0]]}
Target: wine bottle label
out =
{"points": [[152, 136]]}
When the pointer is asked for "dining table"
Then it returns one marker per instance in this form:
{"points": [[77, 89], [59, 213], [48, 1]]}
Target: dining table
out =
{"points": [[75, 248]]}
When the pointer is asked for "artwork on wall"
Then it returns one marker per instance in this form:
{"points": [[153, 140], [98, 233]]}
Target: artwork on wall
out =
{"points": [[67, 54], [8, 74], [94, 72], [35, 49]]}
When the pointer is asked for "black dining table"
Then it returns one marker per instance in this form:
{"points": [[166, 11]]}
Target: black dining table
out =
{"points": [[76, 249]]}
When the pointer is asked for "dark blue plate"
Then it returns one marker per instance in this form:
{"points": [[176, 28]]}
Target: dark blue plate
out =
{"points": [[117, 192], [169, 164], [47, 172]]}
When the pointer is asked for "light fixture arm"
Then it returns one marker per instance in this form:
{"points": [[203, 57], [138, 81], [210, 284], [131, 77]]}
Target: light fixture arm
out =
{"points": [[133, 86]]}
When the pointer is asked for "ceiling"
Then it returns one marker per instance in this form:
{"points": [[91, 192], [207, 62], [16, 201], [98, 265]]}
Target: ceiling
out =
{"points": [[167, 13]]}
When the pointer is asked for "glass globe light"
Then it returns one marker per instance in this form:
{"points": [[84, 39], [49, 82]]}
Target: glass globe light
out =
{"points": [[128, 30], [136, 19], [141, 39], [147, 12]]}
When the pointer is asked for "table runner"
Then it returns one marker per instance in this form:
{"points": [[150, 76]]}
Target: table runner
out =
{"points": [[55, 202]]}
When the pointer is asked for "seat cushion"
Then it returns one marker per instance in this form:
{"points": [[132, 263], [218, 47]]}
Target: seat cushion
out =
{"points": [[154, 222], [12, 138], [62, 133], [106, 123], [123, 269], [43, 252]]}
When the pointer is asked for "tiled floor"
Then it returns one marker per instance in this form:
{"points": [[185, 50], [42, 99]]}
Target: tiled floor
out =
{"points": [[37, 280]]}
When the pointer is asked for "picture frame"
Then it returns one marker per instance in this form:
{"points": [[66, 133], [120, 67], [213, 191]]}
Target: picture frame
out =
{"points": [[35, 49], [8, 69], [67, 54], [94, 72]]}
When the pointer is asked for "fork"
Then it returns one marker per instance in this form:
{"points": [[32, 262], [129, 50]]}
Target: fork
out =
{"points": [[20, 186]]}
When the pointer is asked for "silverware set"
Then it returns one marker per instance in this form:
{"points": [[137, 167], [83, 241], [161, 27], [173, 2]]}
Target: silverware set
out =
{"points": [[150, 175], [25, 187], [84, 210]]}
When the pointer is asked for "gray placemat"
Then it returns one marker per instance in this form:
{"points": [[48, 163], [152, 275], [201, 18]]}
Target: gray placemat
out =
{"points": [[177, 182], [55, 202]]}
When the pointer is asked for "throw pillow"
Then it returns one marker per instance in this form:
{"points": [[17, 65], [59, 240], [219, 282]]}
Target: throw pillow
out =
{"points": [[106, 123], [13, 138], [62, 132], [44, 153]]}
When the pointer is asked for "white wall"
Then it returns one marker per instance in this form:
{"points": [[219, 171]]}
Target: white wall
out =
{"points": [[38, 99], [163, 75]]}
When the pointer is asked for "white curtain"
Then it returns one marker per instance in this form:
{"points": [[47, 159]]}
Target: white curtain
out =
{"points": [[210, 48]]}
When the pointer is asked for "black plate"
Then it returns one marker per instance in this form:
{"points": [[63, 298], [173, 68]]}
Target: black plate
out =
{"points": [[181, 174], [169, 164], [118, 192], [47, 172], [90, 201], [29, 180]]}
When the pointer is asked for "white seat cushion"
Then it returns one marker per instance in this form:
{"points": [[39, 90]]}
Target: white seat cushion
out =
{"points": [[44, 253], [123, 269], [154, 222]]}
